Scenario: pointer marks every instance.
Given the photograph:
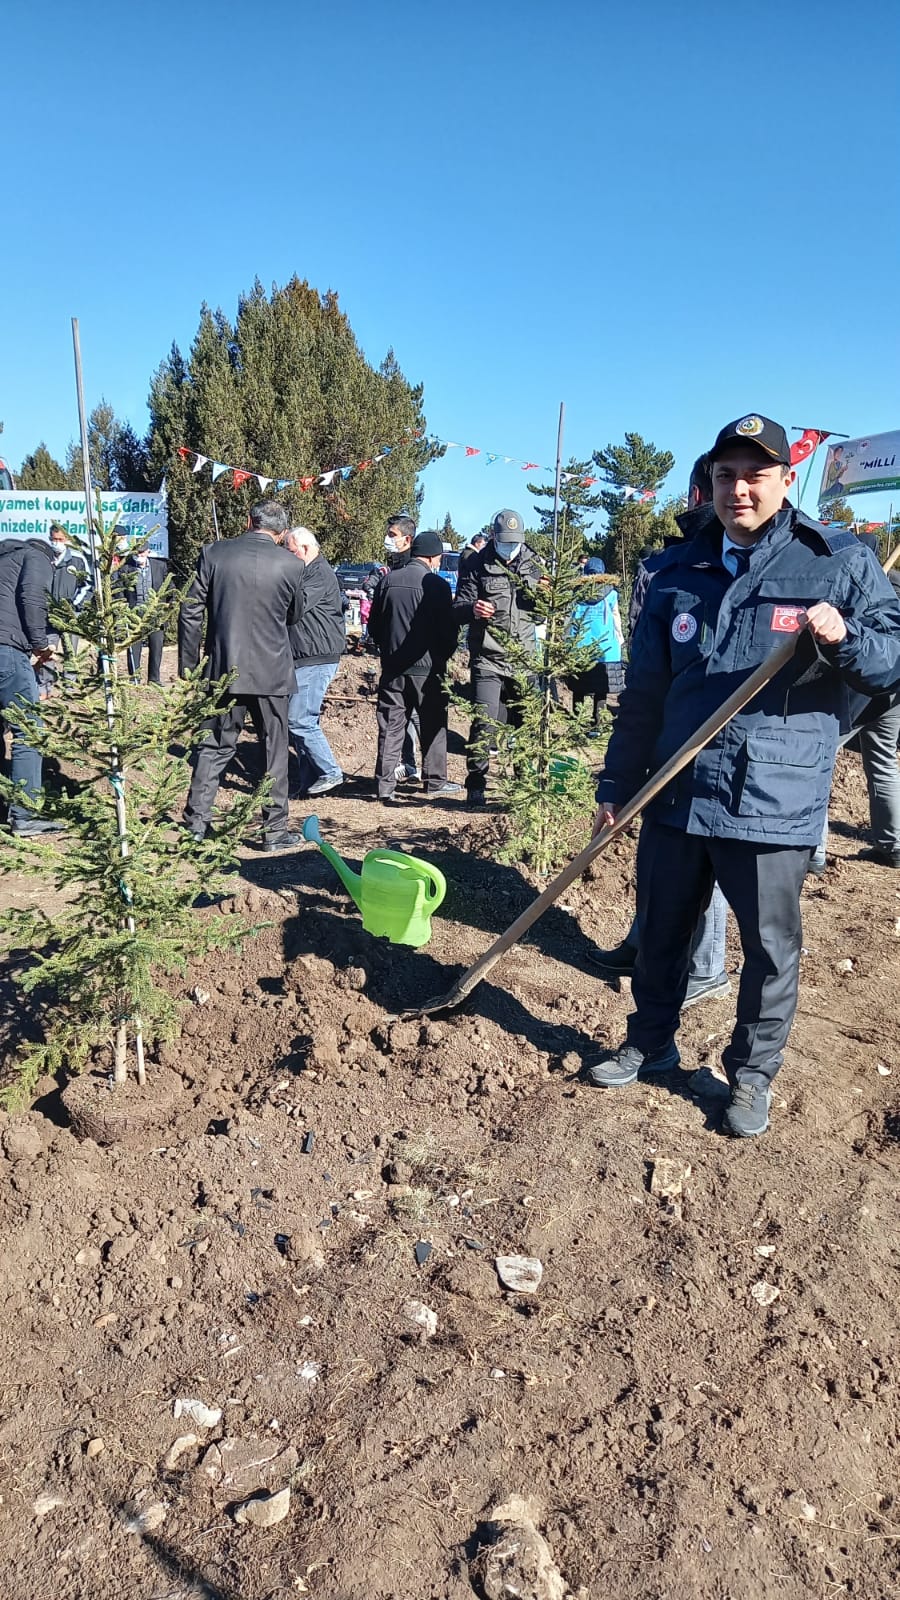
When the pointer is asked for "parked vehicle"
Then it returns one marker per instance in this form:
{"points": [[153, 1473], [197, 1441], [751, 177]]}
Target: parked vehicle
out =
{"points": [[7, 481], [359, 575], [450, 567]]}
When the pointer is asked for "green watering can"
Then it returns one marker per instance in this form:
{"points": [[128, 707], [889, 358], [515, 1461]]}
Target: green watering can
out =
{"points": [[395, 893]]}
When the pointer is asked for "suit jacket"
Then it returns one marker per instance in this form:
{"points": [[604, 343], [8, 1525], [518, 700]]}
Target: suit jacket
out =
{"points": [[245, 595], [158, 569]]}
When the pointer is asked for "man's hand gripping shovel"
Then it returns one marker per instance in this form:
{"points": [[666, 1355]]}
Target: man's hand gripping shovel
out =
{"points": [[745, 692]]}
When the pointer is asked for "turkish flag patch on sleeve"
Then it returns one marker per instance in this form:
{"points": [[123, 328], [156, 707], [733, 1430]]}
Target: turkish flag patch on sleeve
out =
{"points": [[786, 619]]}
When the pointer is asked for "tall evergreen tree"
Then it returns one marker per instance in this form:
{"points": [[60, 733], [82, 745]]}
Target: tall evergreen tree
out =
{"points": [[285, 391], [41, 470], [632, 524], [577, 504]]}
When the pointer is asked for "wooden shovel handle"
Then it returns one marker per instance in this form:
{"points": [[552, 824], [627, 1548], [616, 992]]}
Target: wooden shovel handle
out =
{"points": [[778, 658]]}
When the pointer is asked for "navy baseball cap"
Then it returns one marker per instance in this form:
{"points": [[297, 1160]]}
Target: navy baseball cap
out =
{"points": [[754, 429]]}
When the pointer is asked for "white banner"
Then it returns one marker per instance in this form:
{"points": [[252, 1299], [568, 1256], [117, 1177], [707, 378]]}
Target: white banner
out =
{"points": [[28, 513], [861, 466]]}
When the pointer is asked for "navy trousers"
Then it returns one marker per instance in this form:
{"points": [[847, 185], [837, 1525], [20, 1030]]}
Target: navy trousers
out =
{"points": [[762, 883]]}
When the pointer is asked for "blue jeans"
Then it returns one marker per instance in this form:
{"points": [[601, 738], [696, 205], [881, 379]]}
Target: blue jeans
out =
{"points": [[314, 753], [18, 682]]}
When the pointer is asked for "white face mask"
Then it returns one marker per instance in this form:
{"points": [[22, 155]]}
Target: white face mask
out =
{"points": [[392, 547], [59, 551], [506, 549]]}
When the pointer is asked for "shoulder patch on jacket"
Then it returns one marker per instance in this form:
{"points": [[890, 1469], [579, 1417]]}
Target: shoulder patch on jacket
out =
{"points": [[839, 539]]}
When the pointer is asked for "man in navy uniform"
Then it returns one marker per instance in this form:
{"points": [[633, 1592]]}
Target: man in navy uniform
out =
{"points": [[748, 811]]}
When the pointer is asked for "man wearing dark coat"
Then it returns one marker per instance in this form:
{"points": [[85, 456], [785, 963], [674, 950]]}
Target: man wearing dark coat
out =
{"points": [[245, 595]]}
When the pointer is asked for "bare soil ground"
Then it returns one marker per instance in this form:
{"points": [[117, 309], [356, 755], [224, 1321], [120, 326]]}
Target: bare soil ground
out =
{"points": [[676, 1437]]}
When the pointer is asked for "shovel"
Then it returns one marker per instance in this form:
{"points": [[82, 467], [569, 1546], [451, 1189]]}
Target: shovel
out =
{"points": [[729, 708]]}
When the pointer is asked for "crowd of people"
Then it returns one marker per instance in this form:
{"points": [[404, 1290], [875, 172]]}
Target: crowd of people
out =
{"points": [[740, 827]]}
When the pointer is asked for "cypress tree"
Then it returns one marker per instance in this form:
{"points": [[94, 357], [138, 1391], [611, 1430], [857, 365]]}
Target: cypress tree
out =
{"points": [[285, 391]]}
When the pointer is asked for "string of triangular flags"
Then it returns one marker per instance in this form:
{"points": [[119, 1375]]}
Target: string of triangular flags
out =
{"points": [[491, 456], [321, 480], [324, 480]]}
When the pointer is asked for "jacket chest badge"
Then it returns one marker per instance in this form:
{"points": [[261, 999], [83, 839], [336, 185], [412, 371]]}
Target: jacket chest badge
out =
{"points": [[684, 627], [786, 619]]}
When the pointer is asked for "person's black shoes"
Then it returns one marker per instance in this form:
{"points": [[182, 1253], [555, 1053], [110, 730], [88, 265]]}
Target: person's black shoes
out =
{"points": [[619, 963], [281, 841], [748, 1114], [475, 799], [878, 853], [706, 989], [36, 826], [616, 1068]]}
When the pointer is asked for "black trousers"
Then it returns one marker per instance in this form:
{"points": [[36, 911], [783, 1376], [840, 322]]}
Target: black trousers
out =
{"points": [[398, 699], [495, 697], [269, 715], [762, 883], [154, 642]]}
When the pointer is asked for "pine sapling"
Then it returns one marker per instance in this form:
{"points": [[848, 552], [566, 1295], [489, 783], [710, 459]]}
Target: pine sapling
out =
{"points": [[125, 878]]}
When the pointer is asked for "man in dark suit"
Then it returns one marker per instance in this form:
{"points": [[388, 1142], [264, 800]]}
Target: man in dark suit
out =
{"points": [[144, 575], [248, 593], [412, 623]]}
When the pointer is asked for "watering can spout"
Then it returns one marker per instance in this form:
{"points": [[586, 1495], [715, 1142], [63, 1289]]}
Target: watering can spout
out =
{"points": [[351, 880]]}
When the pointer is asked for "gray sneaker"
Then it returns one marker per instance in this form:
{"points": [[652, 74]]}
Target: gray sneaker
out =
{"points": [[619, 1067], [326, 783], [706, 989], [748, 1114]]}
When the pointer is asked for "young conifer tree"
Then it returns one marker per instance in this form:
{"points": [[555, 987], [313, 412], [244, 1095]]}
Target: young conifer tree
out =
{"points": [[543, 776], [125, 877]]}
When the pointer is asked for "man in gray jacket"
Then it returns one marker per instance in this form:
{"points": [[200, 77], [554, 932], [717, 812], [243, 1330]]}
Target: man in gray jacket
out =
{"points": [[247, 593], [496, 594]]}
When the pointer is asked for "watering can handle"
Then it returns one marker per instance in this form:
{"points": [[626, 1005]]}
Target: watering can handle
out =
{"points": [[437, 884]]}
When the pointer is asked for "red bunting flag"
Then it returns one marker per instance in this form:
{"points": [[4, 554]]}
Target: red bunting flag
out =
{"points": [[361, 465], [648, 494], [240, 476], [806, 445], [530, 466], [471, 451], [184, 452], [586, 482], [306, 483]]}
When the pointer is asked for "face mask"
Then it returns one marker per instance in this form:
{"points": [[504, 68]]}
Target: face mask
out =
{"points": [[142, 558], [391, 546], [59, 551], [506, 550]]}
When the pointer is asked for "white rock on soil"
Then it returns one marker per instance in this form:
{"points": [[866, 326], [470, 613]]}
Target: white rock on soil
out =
{"points": [[522, 1274], [197, 1411], [422, 1317], [668, 1178], [148, 1520], [263, 1511], [179, 1447], [88, 1256], [797, 1505], [94, 1448], [47, 1502], [765, 1294], [516, 1559]]}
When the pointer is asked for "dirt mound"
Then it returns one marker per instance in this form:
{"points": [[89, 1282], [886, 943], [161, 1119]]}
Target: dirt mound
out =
{"points": [[699, 1401]]}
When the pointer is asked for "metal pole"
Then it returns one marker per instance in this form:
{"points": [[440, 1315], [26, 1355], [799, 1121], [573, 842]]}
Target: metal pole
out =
{"points": [[108, 669], [215, 520], [86, 470], [559, 440]]}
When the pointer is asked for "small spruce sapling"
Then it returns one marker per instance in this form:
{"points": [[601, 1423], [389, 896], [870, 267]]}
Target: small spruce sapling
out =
{"points": [[126, 878], [542, 776]]}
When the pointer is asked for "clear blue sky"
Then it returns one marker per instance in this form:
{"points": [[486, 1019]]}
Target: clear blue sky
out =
{"points": [[664, 215]]}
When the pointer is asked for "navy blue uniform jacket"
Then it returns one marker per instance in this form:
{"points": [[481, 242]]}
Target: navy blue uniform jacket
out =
{"points": [[767, 776]]}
